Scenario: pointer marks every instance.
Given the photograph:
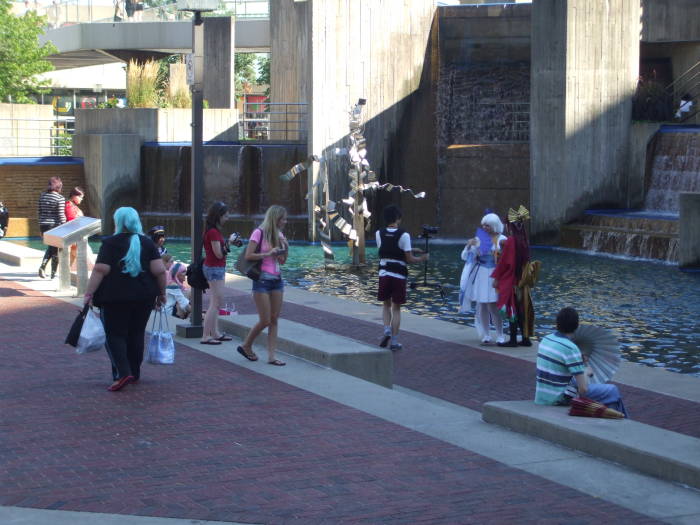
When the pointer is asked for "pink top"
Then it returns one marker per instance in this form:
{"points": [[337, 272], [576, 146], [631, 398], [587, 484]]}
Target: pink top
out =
{"points": [[269, 264]]}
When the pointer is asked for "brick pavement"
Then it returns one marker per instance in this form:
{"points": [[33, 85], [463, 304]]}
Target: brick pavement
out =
{"points": [[469, 376], [206, 439]]}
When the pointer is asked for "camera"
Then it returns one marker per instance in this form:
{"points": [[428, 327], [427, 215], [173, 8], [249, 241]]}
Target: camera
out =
{"points": [[429, 230], [236, 240]]}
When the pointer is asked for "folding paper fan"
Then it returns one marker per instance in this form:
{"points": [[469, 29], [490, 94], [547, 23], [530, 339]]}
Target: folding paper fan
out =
{"points": [[602, 349]]}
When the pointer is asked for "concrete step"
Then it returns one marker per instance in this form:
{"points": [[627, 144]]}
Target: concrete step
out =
{"points": [[370, 363], [18, 255], [645, 448]]}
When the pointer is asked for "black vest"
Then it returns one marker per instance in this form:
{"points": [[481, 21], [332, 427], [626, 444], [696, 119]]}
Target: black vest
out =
{"points": [[389, 249]]}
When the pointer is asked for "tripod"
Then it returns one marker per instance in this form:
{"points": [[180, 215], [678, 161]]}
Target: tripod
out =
{"points": [[414, 284]]}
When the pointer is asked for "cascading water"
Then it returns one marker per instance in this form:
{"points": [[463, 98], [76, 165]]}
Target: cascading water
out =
{"points": [[675, 168]]}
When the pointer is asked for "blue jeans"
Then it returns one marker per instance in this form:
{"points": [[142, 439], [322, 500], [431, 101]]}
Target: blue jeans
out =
{"points": [[214, 273], [607, 394], [268, 285]]}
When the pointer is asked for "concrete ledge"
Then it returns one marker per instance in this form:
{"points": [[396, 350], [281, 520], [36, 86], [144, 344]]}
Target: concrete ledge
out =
{"points": [[17, 255], [339, 353], [651, 450]]}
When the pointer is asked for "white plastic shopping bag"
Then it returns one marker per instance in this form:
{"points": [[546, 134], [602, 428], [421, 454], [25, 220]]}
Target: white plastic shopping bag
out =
{"points": [[92, 334], [161, 347]]}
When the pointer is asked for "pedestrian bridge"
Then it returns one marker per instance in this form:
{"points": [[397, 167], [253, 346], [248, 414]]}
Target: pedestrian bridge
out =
{"points": [[89, 44]]}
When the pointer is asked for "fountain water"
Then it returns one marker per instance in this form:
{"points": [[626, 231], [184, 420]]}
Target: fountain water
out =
{"points": [[652, 232], [244, 176]]}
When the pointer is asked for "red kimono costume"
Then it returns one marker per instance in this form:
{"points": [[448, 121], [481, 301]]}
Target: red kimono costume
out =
{"points": [[506, 275]]}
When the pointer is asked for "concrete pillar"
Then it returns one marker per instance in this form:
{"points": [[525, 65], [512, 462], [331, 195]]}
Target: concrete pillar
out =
{"points": [[219, 71], [112, 172], [689, 238], [585, 65]]}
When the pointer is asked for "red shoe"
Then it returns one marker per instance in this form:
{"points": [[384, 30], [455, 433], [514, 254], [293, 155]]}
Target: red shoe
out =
{"points": [[121, 383]]}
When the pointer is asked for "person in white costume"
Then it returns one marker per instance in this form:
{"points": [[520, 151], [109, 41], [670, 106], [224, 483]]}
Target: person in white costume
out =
{"points": [[476, 285]]}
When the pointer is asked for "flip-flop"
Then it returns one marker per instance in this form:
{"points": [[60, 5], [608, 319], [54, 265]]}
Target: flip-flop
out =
{"points": [[249, 357], [384, 341], [210, 342], [276, 362], [224, 337]]}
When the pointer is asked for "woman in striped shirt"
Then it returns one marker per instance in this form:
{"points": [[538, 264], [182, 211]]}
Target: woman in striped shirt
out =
{"points": [[52, 213]]}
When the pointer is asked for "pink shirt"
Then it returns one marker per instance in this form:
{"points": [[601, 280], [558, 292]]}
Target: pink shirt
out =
{"points": [[269, 264]]}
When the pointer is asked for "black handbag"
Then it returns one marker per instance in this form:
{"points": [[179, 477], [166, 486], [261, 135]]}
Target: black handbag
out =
{"points": [[251, 269], [195, 273], [76, 327]]}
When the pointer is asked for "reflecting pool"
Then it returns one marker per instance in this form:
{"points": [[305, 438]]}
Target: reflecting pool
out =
{"points": [[652, 306]]}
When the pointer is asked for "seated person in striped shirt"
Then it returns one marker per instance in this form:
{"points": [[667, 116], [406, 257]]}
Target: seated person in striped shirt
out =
{"points": [[394, 247], [560, 364]]}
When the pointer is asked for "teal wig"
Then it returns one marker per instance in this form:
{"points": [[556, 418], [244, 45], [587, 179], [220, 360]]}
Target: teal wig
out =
{"points": [[126, 220]]}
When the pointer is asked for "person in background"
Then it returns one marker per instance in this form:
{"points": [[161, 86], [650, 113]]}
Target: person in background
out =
{"points": [[268, 291], [73, 211], [127, 281], [477, 283], [394, 249], [52, 213], [175, 287], [4, 219], [215, 249], [157, 235], [684, 106], [560, 363]]}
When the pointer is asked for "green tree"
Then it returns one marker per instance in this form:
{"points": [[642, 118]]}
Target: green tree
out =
{"points": [[264, 71], [245, 71], [21, 56]]}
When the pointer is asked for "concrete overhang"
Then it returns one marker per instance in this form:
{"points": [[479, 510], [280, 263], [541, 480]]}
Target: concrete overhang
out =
{"points": [[101, 43]]}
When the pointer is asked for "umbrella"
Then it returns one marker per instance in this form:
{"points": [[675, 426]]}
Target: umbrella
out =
{"points": [[581, 406], [602, 349]]}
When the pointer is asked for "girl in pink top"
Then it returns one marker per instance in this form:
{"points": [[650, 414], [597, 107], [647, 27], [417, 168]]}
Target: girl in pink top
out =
{"points": [[268, 291]]}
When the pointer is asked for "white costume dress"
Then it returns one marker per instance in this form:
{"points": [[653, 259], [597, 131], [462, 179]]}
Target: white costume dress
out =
{"points": [[476, 285]]}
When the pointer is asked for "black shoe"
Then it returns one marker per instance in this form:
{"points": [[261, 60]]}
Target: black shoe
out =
{"points": [[509, 344], [525, 342], [42, 274]]}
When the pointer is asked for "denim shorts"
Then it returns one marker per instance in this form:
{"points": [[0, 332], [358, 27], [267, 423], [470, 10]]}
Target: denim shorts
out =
{"points": [[268, 285], [214, 273]]}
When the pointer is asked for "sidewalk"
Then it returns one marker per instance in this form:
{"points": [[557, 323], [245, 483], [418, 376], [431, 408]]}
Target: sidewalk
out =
{"points": [[215, 437]]}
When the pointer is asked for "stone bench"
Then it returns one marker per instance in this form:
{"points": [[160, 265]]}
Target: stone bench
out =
{"points": [[18, 255], [370, 363], [648, 449]]}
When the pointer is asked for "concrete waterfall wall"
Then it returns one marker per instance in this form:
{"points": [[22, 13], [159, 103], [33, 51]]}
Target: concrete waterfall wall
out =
{"points": [[585, 64], [671, 21], [330, 53]]}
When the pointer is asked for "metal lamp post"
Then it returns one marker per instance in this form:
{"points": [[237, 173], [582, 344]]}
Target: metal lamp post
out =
{"points": [[196, 80]]}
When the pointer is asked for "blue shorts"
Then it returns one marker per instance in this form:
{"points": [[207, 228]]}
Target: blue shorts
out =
{"points": [[268, 285], [214, 273]]}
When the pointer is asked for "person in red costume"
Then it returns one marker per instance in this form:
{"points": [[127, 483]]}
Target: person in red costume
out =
{"points": [[73, 211], [514, 300]]}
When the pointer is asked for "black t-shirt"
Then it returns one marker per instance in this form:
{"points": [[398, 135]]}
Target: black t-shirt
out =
{"points": [[118, 286]]}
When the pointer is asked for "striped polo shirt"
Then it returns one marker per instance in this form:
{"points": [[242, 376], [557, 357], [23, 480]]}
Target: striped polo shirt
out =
{"points": [[558, 359]]}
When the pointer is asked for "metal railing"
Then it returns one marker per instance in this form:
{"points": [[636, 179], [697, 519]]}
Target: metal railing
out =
{"points": [[27, 137], [61, 13], [283, 121]]}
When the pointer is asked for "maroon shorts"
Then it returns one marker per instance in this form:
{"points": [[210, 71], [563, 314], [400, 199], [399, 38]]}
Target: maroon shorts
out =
{"points": [[392, 288]]}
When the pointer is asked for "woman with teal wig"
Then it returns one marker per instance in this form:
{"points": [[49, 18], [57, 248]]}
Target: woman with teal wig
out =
{"points": [[127, 281]]}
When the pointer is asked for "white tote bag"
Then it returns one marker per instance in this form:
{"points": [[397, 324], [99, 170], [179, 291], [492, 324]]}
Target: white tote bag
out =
{"points": [[161, 347], [92, 334]]}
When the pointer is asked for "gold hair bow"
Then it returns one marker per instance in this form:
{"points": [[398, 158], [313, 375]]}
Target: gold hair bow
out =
{"points": [[519, 215]]}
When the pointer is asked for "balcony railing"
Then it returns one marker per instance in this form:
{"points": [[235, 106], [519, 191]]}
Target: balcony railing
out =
{"points": [[69, 12], [22, 137], [283, 121]]}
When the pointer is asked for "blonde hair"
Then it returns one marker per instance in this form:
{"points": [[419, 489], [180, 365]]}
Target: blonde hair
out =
{"points": [[166, 258], [269, 227]]}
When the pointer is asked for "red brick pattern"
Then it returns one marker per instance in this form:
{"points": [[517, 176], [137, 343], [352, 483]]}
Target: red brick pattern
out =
{"points": [[206, 439], [470, 376]]}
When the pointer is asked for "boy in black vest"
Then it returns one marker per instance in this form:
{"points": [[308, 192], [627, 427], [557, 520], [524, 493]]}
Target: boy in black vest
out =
{"points": [[394, 247]]}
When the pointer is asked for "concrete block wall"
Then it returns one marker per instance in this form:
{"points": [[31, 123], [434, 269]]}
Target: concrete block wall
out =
{"points": [[585, 65], [22, 183], [689, 235], [670, 20], [26, 130]]}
